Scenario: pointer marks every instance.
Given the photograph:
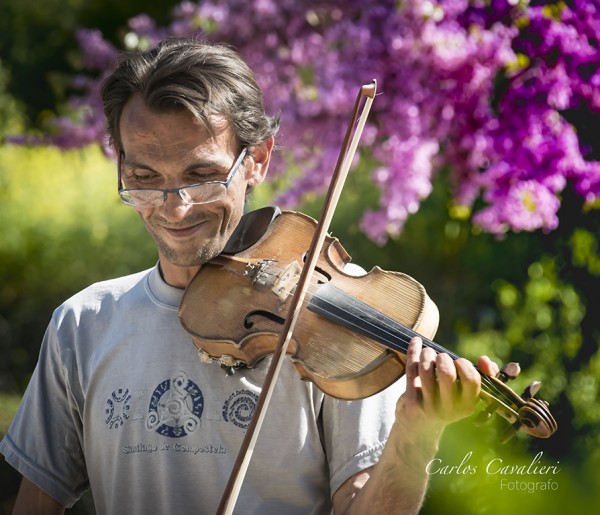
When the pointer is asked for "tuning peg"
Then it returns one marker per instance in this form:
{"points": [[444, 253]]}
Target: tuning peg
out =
{"points": [[531, 390], [509, 371]]}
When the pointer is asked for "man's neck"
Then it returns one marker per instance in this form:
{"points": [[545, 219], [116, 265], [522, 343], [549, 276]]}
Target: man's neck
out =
{"points": [[176, 276]]}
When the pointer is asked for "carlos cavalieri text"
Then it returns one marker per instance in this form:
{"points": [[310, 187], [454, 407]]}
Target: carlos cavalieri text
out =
{"points": [[495, 466], [498, 468]]}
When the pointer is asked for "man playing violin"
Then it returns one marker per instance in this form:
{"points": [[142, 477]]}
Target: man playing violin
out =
{"points": [[119, 403]]}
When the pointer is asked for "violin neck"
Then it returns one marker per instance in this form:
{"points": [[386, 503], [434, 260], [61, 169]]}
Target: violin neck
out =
{"points": [[525, 413], [345, 310]]}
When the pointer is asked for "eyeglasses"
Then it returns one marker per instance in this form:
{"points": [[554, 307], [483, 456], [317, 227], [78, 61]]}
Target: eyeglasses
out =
{"points": [[200, 193]]}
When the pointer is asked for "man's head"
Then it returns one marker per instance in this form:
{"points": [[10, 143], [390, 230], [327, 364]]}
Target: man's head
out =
{"points": [[183, 73], [182, 118]]}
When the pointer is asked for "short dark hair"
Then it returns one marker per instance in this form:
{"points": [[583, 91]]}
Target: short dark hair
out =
{"points": [[205, 78]]}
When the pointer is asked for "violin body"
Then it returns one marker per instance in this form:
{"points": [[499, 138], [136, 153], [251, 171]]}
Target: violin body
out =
{"points": [[353, 331], [247, 296]]}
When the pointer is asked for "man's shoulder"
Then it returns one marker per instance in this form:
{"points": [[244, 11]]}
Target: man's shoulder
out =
{"points": [[109, 290], [122, 283]]}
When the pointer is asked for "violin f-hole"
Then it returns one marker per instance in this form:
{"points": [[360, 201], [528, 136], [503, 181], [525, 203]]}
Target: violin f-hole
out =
{"points": [[322, 273], [248, 324], [318, 270]]}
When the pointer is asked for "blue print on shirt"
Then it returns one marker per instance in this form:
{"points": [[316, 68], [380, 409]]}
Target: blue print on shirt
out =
{"points": [[239, 408], [175, 407], [117, 408]]}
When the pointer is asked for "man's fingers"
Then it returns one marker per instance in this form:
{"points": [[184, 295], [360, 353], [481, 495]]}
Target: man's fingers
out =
{"points": [[444, 388], [470, 385], [446, 376], [428, 372], [487, 366], [413, 381]]}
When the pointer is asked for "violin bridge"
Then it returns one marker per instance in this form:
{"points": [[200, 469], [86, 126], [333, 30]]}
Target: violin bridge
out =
{"points": [[286, 281]]}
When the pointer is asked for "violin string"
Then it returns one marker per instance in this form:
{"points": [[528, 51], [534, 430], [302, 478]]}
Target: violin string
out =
{"points": [[387, 334], [389, 331]]}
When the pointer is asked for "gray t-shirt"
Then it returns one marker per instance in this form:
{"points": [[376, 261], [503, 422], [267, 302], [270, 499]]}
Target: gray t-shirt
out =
{"points": [[120, 403]]}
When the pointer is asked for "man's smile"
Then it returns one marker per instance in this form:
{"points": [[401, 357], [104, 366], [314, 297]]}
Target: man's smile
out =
{"points": [[184, 231]]}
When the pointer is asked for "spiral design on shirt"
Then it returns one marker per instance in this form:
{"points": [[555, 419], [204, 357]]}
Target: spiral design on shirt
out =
{"points": [[239, 408]]}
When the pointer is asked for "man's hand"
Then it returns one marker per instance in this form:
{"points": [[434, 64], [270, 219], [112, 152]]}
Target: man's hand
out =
{"points": [[439, 390]]}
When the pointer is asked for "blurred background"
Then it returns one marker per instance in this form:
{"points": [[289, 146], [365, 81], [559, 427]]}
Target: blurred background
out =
{"points": [[515, 292]]}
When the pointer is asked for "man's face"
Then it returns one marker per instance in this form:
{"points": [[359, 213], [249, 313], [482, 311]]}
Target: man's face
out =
{"points": [[172, 149]]}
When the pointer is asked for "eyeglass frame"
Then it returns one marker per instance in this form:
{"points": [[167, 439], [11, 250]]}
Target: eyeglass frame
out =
{"points": [[165, 191]]}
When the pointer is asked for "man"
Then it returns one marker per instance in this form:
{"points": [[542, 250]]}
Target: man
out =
{"points": [[119, 403]]}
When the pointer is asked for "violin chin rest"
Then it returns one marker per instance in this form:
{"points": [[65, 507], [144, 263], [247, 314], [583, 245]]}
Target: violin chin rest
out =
{"points": [[252, 227]]}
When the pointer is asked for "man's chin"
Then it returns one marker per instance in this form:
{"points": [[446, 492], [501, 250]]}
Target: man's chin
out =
{"points": [[190, 259]]}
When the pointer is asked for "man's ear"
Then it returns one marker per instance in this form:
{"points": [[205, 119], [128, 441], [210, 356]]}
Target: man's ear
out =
{"points": [[260, 156]]}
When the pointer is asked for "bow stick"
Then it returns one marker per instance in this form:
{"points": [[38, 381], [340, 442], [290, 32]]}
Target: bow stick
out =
{"points": [[236, 479]]}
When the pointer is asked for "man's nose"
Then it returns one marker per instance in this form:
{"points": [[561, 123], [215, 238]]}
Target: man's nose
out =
{"points": [[174, 207]]}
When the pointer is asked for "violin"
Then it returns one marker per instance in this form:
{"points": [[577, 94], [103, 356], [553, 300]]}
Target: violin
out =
{"points": [[281, 286], [352, 335]]}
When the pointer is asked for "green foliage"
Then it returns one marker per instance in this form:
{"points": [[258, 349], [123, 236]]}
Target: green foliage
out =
{"points": [[585, 251], [63, 227], [8, 408], [10, 116], [540, 327], [479, 485]]}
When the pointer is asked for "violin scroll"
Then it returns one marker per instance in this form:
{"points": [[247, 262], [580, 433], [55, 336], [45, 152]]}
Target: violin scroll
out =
{"points": [[524, 412]]}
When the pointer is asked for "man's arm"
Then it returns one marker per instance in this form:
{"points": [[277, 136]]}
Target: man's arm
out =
{"points": [[31, 500], [438, 391]]}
